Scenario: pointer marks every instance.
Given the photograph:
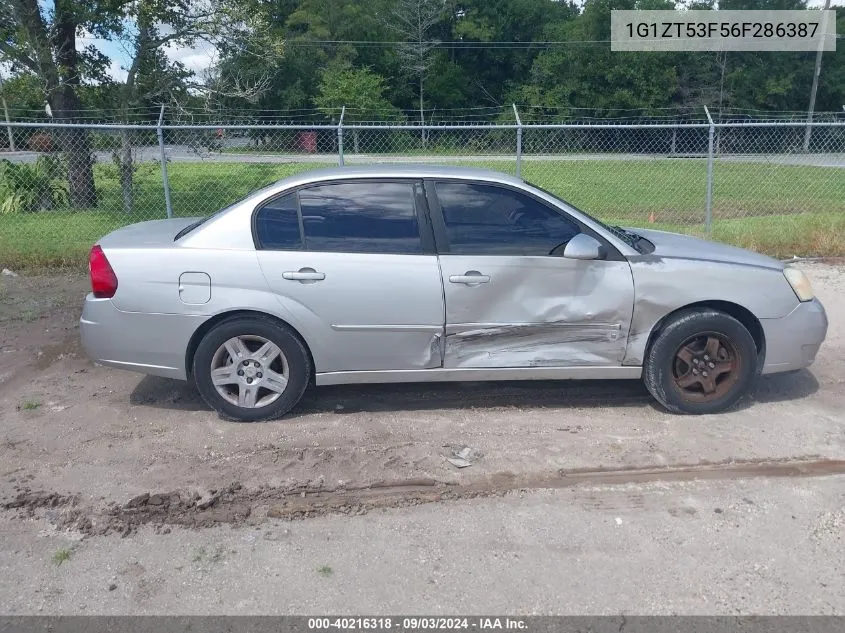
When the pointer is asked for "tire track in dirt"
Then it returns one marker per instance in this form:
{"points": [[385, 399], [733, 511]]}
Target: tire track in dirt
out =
{"points": [[235, 505]]}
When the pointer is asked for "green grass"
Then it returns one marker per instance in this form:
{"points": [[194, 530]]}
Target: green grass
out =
{"points": [[781, 210], [62, 239], [674, 190], [29, 405], [61, 555], [325, 571], [201, 555]]}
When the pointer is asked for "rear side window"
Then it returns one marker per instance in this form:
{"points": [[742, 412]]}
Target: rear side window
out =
{"points": [[375, 217], [277, 224], [489, 220]]}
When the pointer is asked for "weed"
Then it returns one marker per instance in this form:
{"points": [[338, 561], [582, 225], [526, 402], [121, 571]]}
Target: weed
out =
{"points": [[61, 555], [214, 555]]}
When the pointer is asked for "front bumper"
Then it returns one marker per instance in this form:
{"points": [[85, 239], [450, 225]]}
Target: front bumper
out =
{"points": [[792, 341], [149, 343]]}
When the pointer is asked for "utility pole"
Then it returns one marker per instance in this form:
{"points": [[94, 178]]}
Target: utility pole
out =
{"points": [[6, 112], [815, 87]]}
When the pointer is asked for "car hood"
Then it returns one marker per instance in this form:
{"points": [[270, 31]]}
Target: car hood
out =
{"points": [[152, 233], [680, 246]]}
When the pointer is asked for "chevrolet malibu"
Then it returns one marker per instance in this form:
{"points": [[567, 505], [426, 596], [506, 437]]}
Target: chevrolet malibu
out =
{"points": [[429, 274]]}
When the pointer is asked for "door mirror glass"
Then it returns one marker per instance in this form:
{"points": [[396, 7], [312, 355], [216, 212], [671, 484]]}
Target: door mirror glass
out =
{"points": [[583, 246]]}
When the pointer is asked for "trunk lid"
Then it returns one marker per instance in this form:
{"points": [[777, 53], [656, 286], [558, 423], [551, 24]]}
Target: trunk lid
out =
{"points": [[151, 233]]}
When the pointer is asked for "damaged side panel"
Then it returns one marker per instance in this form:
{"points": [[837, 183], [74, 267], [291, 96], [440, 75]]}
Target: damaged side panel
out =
{"points": [[666, 284], [532, 345], [536, 312]]}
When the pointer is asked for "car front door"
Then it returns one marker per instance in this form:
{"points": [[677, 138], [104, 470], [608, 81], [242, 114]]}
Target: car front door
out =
{"points": [[512, 298], [353, 262]]}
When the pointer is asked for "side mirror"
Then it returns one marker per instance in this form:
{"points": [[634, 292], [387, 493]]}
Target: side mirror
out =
{"points": [[583, 246]]}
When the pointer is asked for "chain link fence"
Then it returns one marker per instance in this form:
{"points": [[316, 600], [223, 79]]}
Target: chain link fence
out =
{"points": [[776, 186]]}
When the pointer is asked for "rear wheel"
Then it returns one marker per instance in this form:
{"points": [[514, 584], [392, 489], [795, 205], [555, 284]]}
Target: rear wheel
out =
{"points": [[703, 361], [250, 369]]}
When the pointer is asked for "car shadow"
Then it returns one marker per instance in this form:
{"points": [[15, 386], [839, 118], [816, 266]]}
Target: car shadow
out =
{"points": [[164, 393], [792, 385]]}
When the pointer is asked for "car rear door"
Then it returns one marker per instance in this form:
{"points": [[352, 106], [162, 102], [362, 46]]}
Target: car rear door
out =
{"points": [[355, 262], [509, 301]]}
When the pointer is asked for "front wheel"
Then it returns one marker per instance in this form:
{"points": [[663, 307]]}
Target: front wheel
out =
{"points": [[703, 361], [251, 369]]}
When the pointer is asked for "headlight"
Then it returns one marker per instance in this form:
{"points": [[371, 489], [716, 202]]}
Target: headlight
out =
{"points": [[799, 282]]}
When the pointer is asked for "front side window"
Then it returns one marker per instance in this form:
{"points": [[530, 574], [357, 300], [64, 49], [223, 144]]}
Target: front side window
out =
{"points": [[377, 217], [490, 220]]}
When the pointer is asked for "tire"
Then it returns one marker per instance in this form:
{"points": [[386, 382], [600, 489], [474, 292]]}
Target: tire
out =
{"points": [[240, 351], [681, 372]]}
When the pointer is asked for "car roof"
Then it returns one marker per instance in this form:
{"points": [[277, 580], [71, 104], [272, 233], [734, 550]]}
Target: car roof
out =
{"points": [[398, 170]]}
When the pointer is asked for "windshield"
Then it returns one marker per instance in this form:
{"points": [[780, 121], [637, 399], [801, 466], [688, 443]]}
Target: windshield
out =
{"points": [[632, 239]]}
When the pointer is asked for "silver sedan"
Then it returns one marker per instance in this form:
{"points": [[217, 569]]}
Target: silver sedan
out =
{"points": [[430, 274]]}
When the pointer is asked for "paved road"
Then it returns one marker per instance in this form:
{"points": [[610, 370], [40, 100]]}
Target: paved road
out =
{"points": [[185, 153]]}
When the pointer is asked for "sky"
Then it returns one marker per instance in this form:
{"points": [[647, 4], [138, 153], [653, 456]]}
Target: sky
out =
{"points": [[196, 58]]}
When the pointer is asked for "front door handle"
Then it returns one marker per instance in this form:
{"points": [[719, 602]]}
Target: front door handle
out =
{"points": [[470, 278], [304, 275]]}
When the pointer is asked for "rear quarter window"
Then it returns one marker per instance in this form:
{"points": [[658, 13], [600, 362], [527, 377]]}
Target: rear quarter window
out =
{"points": [[277, 224]]}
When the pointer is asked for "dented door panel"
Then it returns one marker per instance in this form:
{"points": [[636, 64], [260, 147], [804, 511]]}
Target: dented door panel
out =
{"points": [[536, 311]]}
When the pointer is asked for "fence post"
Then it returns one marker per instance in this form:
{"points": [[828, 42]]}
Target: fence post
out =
{"points": [[340, 137], [816, 72], [518, 142], [708, 202], [164, 179], [6, 113]]}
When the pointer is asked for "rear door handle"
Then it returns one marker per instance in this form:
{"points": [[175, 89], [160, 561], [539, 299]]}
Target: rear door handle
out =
{"points": [[470, 278], [304, 274]]}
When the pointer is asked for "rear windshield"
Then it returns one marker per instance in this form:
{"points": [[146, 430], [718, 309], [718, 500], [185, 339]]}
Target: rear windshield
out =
{"points": [[193, 225]]}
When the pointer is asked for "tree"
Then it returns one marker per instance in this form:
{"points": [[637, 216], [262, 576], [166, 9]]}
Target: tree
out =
{"points": [[590, 76], [494, 70], [310, 30], [19, 92], [413, 20], [149, 26], [43, 42], [360, 90]]}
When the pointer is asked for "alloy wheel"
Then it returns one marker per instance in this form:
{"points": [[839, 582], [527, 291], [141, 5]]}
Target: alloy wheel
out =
{"points": [[249, 371]]}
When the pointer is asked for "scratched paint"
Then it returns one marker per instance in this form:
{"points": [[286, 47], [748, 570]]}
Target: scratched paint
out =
{"points": [[434, 354], [530, 345], [537, 312]]}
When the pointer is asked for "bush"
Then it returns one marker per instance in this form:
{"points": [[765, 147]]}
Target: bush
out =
{"points": [[38, 186]]}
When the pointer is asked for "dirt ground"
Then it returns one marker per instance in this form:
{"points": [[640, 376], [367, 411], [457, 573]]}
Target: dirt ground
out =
{"points": [[111, 459]]}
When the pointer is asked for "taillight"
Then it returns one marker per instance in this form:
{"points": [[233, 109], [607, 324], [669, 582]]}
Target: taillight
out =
{"points": [[103, 279]]}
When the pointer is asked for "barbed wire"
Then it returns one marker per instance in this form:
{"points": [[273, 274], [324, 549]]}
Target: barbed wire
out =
{"points": [[468, 116]]}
